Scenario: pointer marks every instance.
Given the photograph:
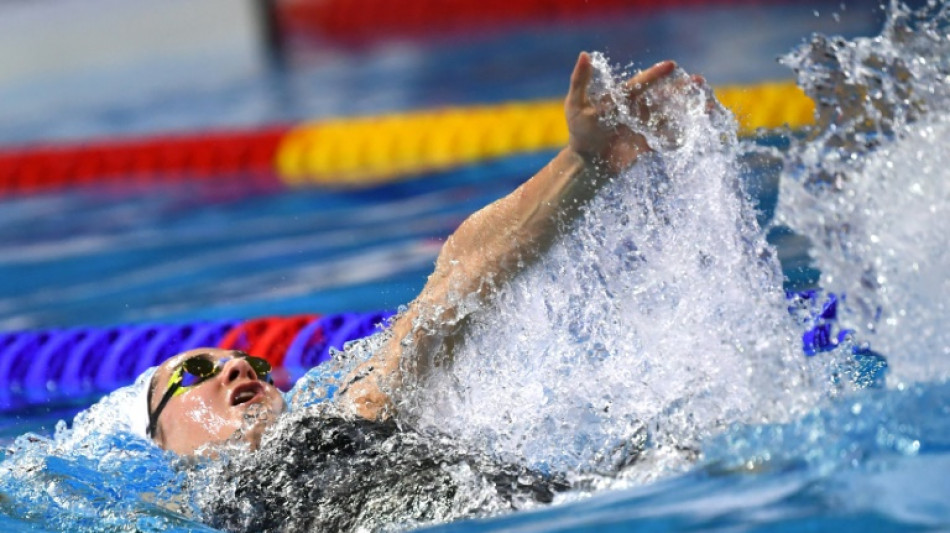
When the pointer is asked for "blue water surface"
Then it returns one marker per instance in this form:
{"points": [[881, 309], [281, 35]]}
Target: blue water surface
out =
{"points": [[873, 461]]}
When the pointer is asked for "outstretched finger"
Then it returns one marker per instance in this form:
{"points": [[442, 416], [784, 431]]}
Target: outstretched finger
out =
{"points": [[580, 79], [645, 78]]}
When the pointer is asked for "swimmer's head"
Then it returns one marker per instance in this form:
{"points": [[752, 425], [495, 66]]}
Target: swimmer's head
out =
{"points": [[209, 395]]}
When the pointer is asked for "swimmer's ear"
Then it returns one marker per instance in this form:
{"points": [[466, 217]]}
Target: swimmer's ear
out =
{"points": [[580, 80]]}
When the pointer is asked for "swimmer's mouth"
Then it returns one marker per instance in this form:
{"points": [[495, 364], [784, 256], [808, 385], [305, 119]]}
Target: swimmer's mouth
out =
{"points": [[247, 393]]}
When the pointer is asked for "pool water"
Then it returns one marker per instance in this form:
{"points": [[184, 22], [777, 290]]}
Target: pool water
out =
{"points": [[663, 311]]}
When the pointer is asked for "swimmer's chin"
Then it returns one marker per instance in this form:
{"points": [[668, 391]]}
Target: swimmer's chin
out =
{"points": [[258, 421]]}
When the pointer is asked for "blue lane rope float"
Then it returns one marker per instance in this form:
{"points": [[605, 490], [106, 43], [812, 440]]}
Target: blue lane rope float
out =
{"points": [[14, 361], [866, 368], [819, 337], [310, 348], [118, 366], [79, 371], [49, 363]]}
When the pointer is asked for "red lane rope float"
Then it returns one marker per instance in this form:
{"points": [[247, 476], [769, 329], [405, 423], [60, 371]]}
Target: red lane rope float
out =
{"points": [[353, 21], [209, 155]]}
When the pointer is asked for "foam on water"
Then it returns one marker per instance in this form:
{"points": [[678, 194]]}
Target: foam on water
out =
{"points": [[870, 184], [98, 475]]}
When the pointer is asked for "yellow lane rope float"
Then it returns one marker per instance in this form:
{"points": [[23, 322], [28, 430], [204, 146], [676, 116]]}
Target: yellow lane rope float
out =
{"points": [[379, 148]]}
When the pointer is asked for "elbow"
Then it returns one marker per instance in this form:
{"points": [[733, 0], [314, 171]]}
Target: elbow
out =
{"points": [[376, 407]]}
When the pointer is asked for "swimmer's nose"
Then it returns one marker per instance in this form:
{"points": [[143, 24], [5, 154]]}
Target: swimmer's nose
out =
{"points": [[238, 368]]}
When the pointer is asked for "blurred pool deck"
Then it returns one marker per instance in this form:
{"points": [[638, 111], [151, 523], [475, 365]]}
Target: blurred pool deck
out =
{"points": [[103, 68]]}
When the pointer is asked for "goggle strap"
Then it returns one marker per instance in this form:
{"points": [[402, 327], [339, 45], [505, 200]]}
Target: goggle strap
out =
{"points": [[173, 390]]}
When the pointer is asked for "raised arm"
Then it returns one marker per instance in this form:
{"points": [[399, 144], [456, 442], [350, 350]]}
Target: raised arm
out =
{"points": [[501, 239]]}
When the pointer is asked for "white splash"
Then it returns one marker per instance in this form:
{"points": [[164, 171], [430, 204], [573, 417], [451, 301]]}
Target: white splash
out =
{"points": [[870, 186], [661, 311]]}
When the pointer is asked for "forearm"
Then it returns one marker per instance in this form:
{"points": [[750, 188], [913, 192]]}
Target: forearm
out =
{"points": [[500, 240], [551, 200], [486, 250]]}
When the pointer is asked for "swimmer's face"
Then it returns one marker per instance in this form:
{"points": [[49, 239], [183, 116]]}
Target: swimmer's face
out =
{"points": [[213, 410]]}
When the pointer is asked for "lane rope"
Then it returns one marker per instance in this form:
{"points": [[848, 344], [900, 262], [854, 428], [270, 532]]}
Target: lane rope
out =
{"points": [[348, 151], [38, 366]]}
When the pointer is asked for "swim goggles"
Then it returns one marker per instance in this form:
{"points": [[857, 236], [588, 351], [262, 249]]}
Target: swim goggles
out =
{"points": [[193, 372]]}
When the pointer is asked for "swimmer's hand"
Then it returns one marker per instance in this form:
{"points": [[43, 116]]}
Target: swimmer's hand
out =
{"points": [[596, 142]]}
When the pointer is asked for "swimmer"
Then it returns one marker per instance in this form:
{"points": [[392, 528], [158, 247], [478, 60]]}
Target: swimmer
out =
{"points": [[200, 397]]}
